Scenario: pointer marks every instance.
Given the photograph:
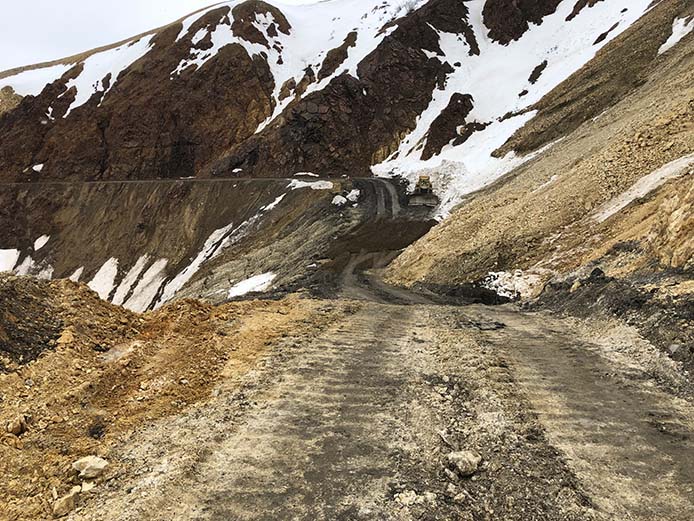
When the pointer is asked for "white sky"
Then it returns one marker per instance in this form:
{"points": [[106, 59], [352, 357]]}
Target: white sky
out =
{"points": [[33, 31]]}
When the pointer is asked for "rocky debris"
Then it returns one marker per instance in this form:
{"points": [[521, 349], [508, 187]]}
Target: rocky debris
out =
{"points": [[66, 337], [539, 216], [90, 467], [408, 497], [465, 462], [659, 305], [48, 319], [66, 504], [618, 72], [17, 426], [83, 401]]}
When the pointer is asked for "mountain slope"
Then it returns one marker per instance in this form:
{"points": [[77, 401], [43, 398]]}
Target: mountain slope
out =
{"points": [[614, 197], [339, 87]]}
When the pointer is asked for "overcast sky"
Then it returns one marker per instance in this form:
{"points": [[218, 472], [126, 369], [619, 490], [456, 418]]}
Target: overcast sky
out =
{"points": [[33, 31]]}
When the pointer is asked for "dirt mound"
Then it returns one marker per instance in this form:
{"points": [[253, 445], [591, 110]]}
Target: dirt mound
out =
{"points": [[37, 315], [111, 371]]}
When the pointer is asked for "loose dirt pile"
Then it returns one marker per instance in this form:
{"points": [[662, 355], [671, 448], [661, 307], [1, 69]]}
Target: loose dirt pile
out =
{"points": [[104, 372]]}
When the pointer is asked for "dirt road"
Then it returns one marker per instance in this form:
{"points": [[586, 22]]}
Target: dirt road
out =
{"points": [[357, 421]]}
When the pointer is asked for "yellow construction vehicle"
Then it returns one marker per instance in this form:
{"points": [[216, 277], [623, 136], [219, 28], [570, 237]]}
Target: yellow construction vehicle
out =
{"points": [[423, 194]]}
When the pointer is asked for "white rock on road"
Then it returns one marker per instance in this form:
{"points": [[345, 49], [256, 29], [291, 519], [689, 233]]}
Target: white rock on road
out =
{"points": [[67, 503], [465, 462], [90, 467]]}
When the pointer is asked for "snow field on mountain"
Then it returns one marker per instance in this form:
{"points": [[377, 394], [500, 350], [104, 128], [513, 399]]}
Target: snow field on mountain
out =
{"points": [[105, 278], [495, 78], [100, 65], [32, 82], [8, 259]]}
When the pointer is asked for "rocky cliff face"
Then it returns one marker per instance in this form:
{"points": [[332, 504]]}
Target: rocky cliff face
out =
{"points": [[336, 88]]}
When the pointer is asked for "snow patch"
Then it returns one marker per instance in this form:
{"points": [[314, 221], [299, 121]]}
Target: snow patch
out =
{"points": [[307, 174], [680, 29], [273, 204], [353, 195], [41, 242], [644, 186], [32, 82], [252, 285], [313, 185], [316, 29], [37, 168], [104, 279], [26, 266], [129, 279], [213, 245], [566, 47], [339, 200], [513, 284], [45, 273], [77, 274], [100, 65], [8, 259], [148, 287]]}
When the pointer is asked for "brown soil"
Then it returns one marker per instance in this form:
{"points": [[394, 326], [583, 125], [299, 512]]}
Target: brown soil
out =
{"points": [[111, 372]]}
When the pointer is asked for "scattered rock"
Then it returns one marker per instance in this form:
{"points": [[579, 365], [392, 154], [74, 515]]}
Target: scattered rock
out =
{"points": [[88, 485], [18, 426], [451, 490], [66, 337], [90, 467], [12, 441], [465, 462], [408, 498], [67, 503]]}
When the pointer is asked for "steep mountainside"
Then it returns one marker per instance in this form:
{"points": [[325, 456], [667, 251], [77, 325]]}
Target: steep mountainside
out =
{"points": [[339, 87], [604, 220]]}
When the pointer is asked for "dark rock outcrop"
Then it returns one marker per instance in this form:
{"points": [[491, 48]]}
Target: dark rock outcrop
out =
{"points": [[354, 123], [164, 117], [444, 129], [508, 20]]}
